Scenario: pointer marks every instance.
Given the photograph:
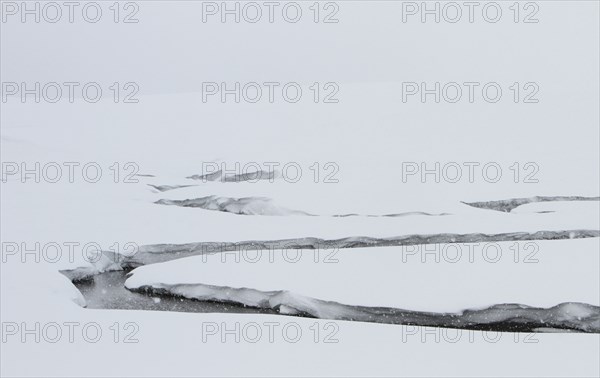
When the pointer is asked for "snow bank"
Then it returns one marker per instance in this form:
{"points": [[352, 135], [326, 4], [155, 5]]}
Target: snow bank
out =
{"points": [[245, 206]]}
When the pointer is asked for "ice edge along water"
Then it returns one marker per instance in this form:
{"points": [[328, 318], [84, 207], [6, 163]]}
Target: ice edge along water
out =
{"points": [[579, 317], [571, 316]]}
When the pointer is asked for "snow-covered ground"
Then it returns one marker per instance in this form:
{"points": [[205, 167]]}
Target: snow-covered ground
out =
{"points": [[362, 165]]}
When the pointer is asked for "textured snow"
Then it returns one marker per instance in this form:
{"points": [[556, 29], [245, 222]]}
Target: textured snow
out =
{"points": [[245, 206], [511, 204]]}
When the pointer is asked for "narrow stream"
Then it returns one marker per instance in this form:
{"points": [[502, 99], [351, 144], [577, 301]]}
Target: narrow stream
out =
{"points": [[107, 291]]}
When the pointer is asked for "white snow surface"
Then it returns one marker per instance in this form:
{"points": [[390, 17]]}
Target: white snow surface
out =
{"points": [[438, 278], [368, 135]]}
